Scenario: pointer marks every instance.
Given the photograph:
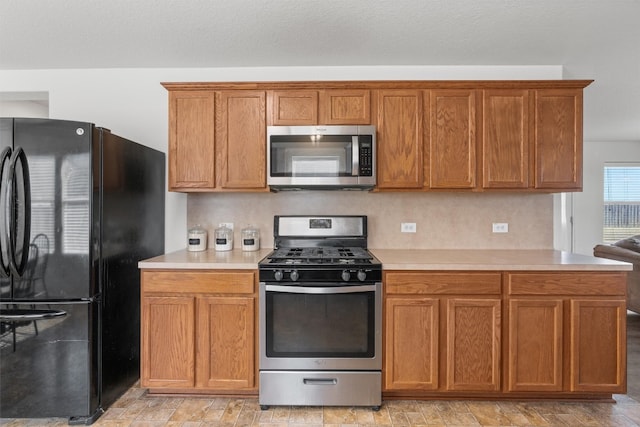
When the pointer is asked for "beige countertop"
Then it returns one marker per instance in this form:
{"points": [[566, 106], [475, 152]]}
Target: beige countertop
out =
{"points": [[406, 259], [492, 259], [208, 260]]}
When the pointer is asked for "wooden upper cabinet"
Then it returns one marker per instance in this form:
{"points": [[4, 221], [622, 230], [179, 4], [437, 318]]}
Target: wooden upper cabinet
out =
{"points": [[294, 107], [558, 139], [505, 138], [241, 136], [191, 140], [399, 140], [453, 139], [440, 135], [323, 107], [345, 107]]}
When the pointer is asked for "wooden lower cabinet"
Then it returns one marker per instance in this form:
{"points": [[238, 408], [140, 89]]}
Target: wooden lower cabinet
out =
{"points": [[504, 334], [198, 331], [567, 332], [442, 332]]}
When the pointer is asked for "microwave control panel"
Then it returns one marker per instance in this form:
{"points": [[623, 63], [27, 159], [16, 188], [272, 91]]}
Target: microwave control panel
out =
{"points": [[366, 155]]}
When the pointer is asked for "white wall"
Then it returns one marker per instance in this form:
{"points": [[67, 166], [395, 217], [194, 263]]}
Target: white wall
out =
{"points": [[588, 205], [132, 103]]}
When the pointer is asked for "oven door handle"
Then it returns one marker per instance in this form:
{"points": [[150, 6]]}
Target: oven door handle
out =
{"points": [[326, 290]]}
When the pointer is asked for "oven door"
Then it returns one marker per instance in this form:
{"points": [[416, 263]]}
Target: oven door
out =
{"points": [[321, 327]]}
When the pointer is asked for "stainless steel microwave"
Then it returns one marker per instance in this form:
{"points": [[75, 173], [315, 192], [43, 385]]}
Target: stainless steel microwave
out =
{"points": [[321, 157]]}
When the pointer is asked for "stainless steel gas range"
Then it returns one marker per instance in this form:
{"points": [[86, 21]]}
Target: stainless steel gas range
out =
{"points": [[320, 314]]}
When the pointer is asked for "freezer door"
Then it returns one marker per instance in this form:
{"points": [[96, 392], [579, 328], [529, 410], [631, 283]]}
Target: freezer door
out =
{"points": [[50, 371], [59, 156]]}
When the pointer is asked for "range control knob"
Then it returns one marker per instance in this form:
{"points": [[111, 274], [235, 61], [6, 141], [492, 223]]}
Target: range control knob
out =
{"points": [[294, 275], [345, 275], [277, 275], [362, 275]]}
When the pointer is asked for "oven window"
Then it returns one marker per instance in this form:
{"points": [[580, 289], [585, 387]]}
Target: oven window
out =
{"points": [[312, 325], [294, 155]]}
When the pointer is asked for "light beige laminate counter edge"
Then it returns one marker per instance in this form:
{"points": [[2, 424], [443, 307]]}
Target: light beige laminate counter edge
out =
{"points": [[494, 260], [406, 259], [206, 260]]}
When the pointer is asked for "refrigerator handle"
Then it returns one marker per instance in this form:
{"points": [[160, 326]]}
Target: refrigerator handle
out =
{"points": [[20, 265], [4, 209]]}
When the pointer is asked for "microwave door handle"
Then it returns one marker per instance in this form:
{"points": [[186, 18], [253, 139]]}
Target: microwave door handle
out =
{"points": [[355, 156]]}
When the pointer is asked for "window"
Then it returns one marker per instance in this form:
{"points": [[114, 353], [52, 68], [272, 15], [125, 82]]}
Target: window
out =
{"points": [[621, 201]]}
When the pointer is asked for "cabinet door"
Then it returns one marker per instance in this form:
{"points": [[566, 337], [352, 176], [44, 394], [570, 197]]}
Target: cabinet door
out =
{"points": [[226, 347], [294, 107], [473, 344], [241, 137], [168, 342], [535, 345], [558, 139], [598, 345], [411, 344], [191, 140], [452, 143], [345, 107], [505, 138], [399, 144]]}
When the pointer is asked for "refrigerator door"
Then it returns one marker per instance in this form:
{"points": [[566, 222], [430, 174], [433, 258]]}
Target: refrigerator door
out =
{"points": [[50, 370], [61, 259]]}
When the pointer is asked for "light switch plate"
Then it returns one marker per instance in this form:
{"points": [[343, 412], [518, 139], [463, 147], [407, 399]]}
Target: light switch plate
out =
{"points": [[408, 227], [500, 227]]}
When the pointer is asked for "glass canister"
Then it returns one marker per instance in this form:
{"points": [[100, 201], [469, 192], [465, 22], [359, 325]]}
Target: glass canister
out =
{"points": [[197, 239], [250, 239], [223, 238]]}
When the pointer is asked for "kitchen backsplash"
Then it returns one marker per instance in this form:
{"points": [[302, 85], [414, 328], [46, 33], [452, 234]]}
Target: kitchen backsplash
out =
{"points": [[443, 220]]}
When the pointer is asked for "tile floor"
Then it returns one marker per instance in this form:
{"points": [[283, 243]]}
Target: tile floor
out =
{"points": [[136, 409]]}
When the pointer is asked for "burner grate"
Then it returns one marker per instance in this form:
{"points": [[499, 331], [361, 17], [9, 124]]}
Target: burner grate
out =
{"points": [[321, 255]]}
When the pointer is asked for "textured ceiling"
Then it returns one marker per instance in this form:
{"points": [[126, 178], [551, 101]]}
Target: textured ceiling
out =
{"points": [[591, 39]]}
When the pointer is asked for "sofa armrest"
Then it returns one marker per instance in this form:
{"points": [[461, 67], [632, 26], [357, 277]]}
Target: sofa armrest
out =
{"points": [[616, 253]]}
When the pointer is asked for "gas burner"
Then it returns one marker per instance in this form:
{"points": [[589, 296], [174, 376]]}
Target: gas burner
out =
{"points": [[322, 255]]}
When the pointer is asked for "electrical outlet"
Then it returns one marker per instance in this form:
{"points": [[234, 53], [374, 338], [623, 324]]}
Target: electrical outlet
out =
{"points": [[408, 227], [226, 224], [500, 227]]}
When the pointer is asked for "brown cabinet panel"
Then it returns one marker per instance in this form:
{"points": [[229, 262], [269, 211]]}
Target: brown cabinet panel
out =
{"points": [[345, 107], [505, 138], [452, 150], [168, 342], [397, 282], [241, 136], [558, 139], [411, 344], [198, 281], [226, 350], [400, 143], [576, 283], [198, 331], [473, 344], [294, 107], [191, 140], [535, 345], [598, 345]]}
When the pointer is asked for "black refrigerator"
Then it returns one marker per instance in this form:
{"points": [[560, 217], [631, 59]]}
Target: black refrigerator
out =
{"points": [[79, 207]]}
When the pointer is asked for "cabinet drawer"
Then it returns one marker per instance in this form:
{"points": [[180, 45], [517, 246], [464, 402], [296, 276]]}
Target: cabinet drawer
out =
{"points": [[584, 284], [227, 281], [442, 283]]}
